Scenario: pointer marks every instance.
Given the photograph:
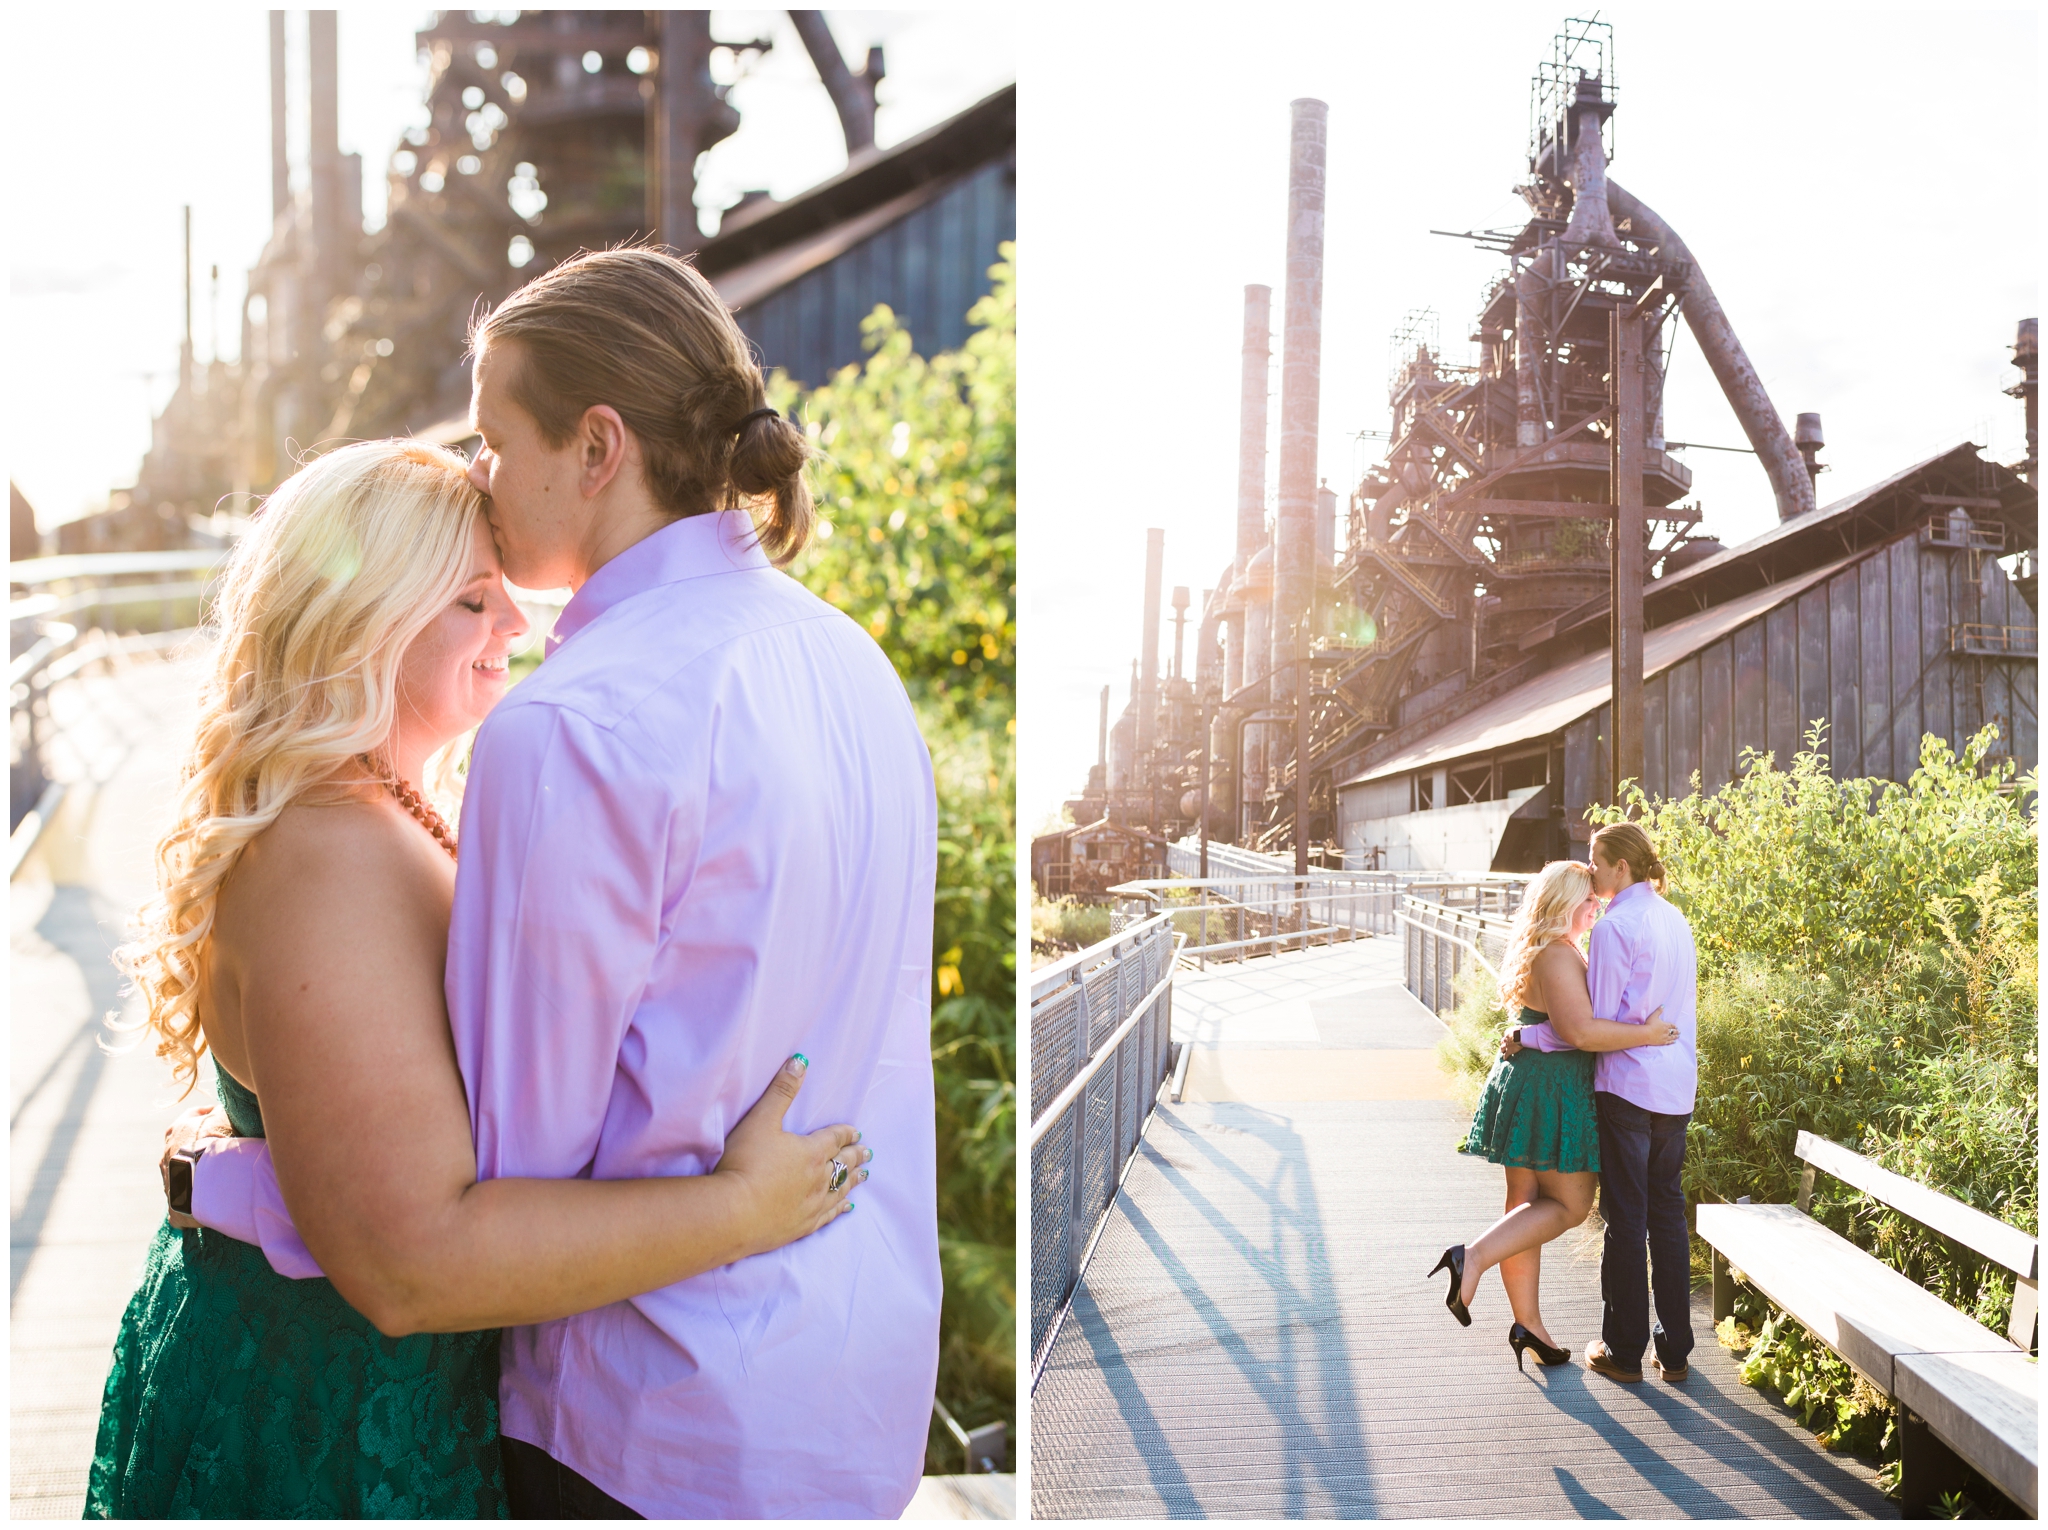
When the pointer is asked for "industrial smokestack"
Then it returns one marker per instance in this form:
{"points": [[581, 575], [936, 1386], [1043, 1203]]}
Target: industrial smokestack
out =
{"points": [[1708, 321], [280, 161], [1257, 359], [1180, 624], [1148, 682], [325, 89], [1256, 355], [185, 350], [1326, 525], [1102, 732], [1301, 366]]}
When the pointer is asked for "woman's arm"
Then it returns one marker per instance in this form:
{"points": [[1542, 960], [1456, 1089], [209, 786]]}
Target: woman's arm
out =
{"points": [[1571, 1010], [339, 977]]}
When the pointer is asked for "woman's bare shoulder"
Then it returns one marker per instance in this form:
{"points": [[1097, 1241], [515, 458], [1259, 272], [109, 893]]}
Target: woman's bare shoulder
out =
{"points": [[326, 860]]}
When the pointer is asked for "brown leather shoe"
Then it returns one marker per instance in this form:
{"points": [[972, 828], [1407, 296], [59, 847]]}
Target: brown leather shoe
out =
{"points": [[1601, 1359], [1671, 1373]]}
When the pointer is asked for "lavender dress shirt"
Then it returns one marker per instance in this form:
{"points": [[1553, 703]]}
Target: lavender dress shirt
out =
{"points": [[702, 836], [1641, 959]]}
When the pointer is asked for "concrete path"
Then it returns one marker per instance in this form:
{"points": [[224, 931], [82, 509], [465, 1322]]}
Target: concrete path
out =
{"points": [[85, 1124], [1256, 1337]]}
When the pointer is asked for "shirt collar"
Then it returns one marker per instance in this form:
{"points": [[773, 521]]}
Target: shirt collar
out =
{"points": [[1628, 892], [719, 542]]}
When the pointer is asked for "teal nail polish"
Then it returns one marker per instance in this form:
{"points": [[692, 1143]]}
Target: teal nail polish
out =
{"points": [[803, 1059]]}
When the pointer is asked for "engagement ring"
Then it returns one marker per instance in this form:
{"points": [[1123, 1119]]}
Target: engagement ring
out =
{"points": [[838, 1175]]}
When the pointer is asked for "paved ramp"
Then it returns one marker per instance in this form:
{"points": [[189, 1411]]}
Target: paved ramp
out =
{"points": [[1255, 1336]]}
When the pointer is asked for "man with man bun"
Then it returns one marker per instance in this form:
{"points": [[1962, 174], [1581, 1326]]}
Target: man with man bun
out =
{"points": [[1642, 959]]}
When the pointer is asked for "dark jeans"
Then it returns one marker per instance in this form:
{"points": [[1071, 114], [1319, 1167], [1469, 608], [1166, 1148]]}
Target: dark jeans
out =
{"points": [[540, 1487], [1641, 1156]]}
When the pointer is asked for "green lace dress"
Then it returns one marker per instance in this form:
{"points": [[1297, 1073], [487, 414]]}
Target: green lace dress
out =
{"points": [[237, 1393], [1536, 1111]]}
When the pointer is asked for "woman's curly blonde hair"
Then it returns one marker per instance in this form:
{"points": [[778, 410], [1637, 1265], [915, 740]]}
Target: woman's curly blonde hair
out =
{"points": [[345, 565], [1545, 915]]}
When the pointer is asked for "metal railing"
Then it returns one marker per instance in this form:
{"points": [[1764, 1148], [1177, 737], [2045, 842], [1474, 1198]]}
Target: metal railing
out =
{"points": [[76, 611], [1233, 918], [1437, 943], [1101, 1047]]}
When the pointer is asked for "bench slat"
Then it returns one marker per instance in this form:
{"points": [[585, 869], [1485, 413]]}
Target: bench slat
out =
{"points": [[2016, 1250], [1821, 1279], [1987, 1408]]}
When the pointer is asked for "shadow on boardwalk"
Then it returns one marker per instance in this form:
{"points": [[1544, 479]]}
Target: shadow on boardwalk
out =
{"points": [[1256, 1336]]}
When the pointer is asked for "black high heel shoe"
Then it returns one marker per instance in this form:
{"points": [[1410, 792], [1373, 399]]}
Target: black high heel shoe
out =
{"points": [[1454, 1261], [1519, 1339]]}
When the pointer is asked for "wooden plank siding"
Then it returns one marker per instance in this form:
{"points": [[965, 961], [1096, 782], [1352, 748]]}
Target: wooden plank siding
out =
{"points": [[1845, 755], [1685, 724], [1655, 774], [1781, 689], [1874, 737], [1717, 717], [1812, 666], [1903, 559], [1747, 644], [930, 267], [1936, 716]]}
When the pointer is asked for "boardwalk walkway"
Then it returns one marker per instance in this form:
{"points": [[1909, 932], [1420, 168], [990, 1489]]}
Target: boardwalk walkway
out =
{"points": [[84, 1125], [1255, 1336]]}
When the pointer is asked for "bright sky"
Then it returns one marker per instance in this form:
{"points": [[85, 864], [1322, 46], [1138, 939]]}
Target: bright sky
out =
{"points": [[1859, 186], [100, 164]]}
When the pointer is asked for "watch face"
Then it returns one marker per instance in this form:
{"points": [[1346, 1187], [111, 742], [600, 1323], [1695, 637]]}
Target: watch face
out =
{"points": [[178, 1184]]}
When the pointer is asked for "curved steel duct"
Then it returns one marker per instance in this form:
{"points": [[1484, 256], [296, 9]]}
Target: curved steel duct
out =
{"points": [[1704, 315]]}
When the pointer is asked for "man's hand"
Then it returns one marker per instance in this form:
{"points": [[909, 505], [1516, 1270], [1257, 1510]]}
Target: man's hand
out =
{"points": [[1511, 1041], [791, 1184], [191, 1130]]}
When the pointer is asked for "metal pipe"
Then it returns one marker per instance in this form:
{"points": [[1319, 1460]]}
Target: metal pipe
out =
{"points": [[1760, 421], [1301, 365], [1102, 737], [853, 95], [280, 160]]}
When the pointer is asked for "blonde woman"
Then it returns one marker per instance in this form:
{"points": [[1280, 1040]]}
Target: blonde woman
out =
{"points": [[299, 936], [1536, 1114]]}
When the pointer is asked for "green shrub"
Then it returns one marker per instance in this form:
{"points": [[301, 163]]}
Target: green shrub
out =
{"points": [[1062, 926], [917, 498]]}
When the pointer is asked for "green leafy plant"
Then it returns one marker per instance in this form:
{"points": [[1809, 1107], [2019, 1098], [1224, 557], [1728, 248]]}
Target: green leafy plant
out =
{"points": [[916, 486], [1062, 926]]}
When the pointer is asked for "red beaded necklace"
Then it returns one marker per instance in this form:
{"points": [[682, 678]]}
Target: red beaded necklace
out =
{"points": [[422, 810]]}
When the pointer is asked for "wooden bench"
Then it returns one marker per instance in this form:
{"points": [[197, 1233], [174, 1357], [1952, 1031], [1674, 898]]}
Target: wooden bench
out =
{"points": [[1963, 1391]]}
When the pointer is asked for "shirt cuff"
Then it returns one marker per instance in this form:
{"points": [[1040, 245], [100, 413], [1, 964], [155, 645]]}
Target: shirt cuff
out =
{"points": [[1539, 1036], [234, 1192]]}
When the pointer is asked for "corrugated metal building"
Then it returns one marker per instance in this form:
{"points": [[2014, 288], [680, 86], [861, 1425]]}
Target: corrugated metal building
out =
{"points": [[1887, 615], [916, 226]]}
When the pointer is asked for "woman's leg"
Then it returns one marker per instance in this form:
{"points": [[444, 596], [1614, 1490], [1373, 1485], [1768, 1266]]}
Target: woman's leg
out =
{"points": [[1562, 1202], [1521, 1274]]}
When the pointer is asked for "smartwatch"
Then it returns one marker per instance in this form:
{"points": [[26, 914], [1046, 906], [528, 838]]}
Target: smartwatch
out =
{"points": [[177, 1170]]}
